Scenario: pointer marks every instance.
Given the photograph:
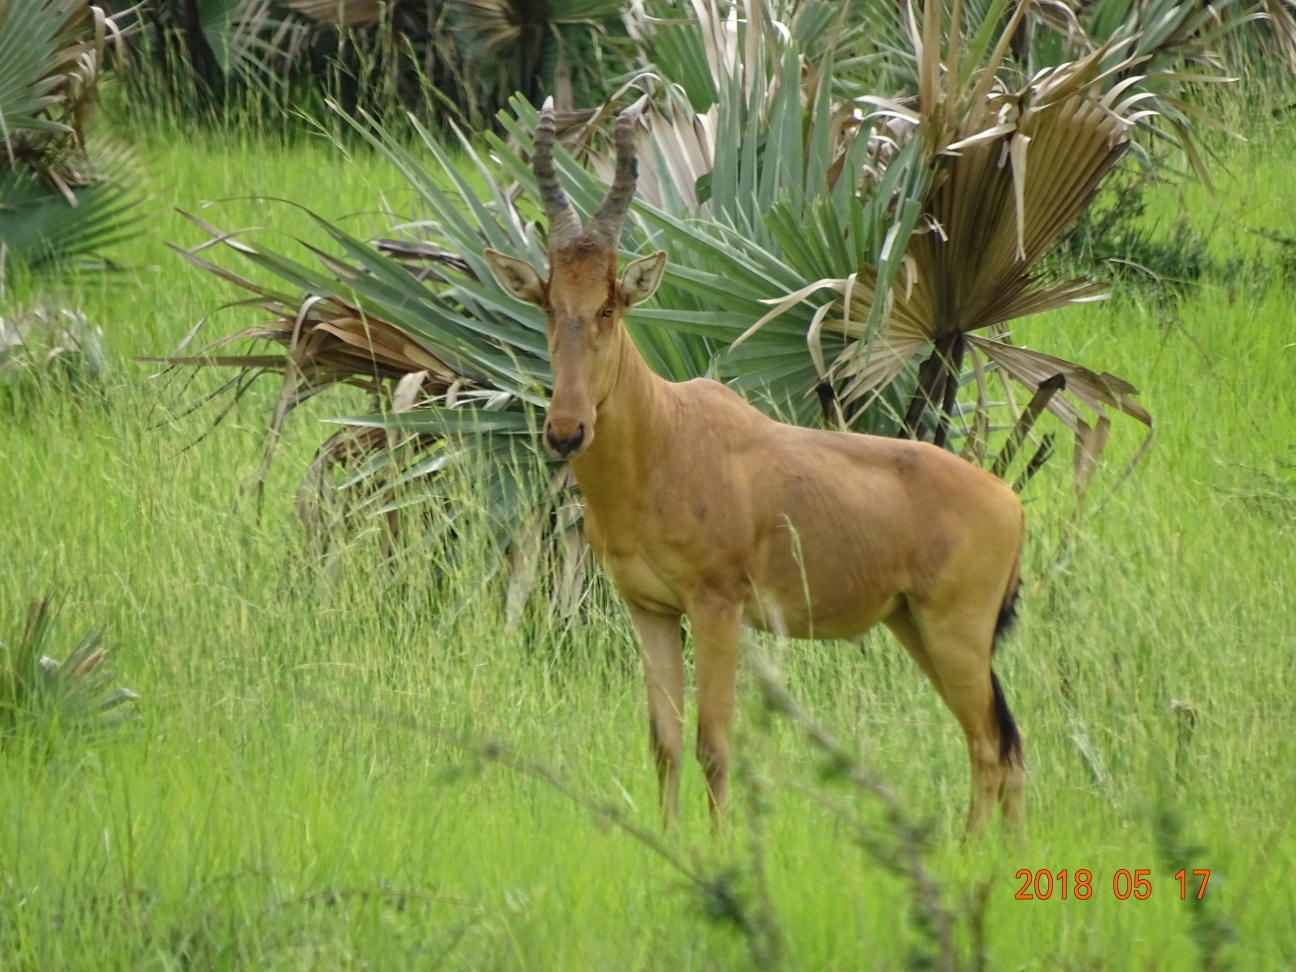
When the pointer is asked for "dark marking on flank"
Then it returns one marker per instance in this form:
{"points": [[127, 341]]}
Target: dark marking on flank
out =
{"points": [[1010, 749]]}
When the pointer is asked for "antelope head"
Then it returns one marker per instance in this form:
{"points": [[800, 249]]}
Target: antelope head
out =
{"points": [[582, 298]]}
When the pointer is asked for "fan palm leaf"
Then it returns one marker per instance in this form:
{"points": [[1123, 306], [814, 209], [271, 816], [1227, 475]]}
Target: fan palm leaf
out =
{"points": [[1011, 170], [60, 197]]}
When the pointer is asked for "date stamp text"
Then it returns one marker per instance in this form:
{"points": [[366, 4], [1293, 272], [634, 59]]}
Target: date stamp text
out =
{"points": [[1044, 884]]}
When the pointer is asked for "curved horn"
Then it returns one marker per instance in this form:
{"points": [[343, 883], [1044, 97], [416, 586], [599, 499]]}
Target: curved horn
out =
{"points": [[606, 222], [563, 224]]}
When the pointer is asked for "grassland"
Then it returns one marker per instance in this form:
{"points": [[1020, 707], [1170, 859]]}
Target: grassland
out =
{"points": [[289, 797]]}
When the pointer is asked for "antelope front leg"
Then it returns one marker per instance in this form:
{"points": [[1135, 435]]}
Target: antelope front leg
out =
{"points": [[663, 663], [715, 657]]}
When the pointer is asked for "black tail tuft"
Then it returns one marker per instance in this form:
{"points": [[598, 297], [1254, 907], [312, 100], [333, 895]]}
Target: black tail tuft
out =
{"points": [[1007, 615], [1010, 747]]}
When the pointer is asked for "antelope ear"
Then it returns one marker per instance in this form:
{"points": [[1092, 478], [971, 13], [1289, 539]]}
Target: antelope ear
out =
{"points": [[517, 277], [642, 277]]}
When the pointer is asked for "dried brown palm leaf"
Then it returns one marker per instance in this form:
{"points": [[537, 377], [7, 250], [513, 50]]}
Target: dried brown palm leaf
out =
{"points": [[1282, 17], [323, 509], [326, 508], [682, 151], [1095, 392], [327, 342]]}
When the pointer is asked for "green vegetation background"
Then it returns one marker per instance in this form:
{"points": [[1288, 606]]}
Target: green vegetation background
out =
{"points": [[271, 808]]}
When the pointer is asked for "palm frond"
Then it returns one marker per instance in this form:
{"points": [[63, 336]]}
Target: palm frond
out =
{"points": [[61, 198], [54, 226], [40, 695]]}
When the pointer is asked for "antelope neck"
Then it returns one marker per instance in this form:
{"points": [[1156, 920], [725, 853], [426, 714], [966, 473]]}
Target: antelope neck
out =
{"points": [[630, 431]]}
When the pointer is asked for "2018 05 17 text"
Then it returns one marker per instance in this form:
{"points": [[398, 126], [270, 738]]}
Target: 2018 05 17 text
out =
{"points": [[1126, 885]]}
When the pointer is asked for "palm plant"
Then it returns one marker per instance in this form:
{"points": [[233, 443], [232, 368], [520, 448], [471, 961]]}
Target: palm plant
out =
{"points": [[40, 695], [984, 226], [835, 255], [196, 51], [61, 198], [467, 56], [421, 321], [1011, 170], [200, 56], [564, 47]]}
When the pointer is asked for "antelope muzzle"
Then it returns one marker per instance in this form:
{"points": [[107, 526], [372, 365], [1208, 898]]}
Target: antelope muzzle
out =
{"points": [[564, 439]]}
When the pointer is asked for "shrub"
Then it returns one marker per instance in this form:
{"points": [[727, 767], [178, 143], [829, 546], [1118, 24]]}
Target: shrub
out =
{"points": [[41, 698]]}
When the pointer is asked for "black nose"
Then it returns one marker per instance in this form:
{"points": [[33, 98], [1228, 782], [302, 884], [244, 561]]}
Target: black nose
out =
{"points": [[565, 447]]}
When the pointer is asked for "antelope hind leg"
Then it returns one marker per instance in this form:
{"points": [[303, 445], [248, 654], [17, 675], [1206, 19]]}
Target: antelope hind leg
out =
{"points": [[663, 664], [905, 629], [959, 649]]}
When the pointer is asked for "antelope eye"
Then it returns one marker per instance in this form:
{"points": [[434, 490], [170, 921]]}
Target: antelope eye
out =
{"points": [[607, 311]]}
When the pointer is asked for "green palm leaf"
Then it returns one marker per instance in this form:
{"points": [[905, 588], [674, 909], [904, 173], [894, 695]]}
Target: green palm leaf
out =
{"points": [[61, 199]]}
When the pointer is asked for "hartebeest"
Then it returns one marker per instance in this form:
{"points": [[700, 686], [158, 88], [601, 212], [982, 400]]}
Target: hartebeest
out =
{"points": [[699, 504]]}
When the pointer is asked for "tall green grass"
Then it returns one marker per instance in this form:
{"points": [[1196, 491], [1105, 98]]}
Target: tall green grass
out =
{"points": [[291, 796]]}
